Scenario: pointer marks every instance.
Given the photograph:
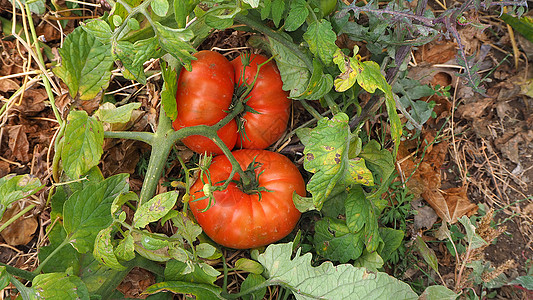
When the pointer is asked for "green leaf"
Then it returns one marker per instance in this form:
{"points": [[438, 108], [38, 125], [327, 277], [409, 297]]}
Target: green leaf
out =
{"points": [[393, 240], [265, 10], [187, 228], [473, 239], [36, 6], [103, 249], [170, 87], [221, 17], [202, 291], [438, 292], [109, 113], [319, 83], [321, 40], [98, 278], [334, 240], [82, 144], [133, 24], [251, 281], [175, 42], [524, 281], [160, 7], [297, 14], [249, 265], [205, 250], [15, 187], [360, 212], [133, 56], [154, 209], [180, 271], [303, 204], [64, 258], [253, 3], [293, 70], [524, 25], [427, 253], [125, 249], [121, 199], [326, 155], [381, 163], [4, 278], [371, 261], [59, 286], [99, 29], [328, 281], [278, 7], [87, 212], [182, 9], [85, 64], [152, 247]]}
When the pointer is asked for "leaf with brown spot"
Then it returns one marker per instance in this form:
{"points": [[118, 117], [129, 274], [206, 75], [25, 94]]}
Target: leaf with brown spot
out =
{"points": [[450, 204]]}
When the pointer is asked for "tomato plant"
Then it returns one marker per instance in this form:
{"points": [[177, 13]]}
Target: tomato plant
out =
{"points": [[205, 94], [248, 217]]}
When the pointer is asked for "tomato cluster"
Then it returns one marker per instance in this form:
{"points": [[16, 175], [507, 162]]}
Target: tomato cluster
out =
{"points": [[240, 220], [263, 211], [205, 95]]}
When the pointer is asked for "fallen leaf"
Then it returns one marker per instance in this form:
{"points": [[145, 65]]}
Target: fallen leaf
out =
{"points": [[474, 110], [32, 102], [4, 168], [136, 282], [18, 143], [21, 231], [437, 52], [424, 218], [8, 85], [450, 204]]}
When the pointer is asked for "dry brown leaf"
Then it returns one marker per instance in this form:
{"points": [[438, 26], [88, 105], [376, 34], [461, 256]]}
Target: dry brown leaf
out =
{"points": [[450, 204], [5, 168], [7, 85], [49, 33], [437, 52], [21, 231], [18, 143], [33, 102], [136, 282], [474, 110]]}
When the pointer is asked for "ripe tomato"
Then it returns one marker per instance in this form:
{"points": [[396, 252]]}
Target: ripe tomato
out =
{"points": [[268, 101], [205, 95], [203, 98], [240, 220]]}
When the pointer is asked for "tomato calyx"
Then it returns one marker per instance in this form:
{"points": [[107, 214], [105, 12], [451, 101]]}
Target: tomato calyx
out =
{"points": [[249, 183]]}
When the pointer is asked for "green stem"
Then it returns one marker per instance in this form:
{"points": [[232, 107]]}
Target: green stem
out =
{"points": [[146, 137], [56, 250], [18, 272], [15, 217], [161, 146], [46, 83]]}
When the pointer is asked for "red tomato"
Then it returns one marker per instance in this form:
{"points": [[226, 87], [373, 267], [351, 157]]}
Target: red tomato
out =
{"points": [[241, 221], [267, 98], [203, 98], [205, 94]]}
